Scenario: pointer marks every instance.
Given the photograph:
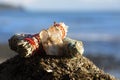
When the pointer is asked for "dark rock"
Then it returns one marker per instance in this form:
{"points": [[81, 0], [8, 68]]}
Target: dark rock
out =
{"points": [[4, 6], [51, 68]]}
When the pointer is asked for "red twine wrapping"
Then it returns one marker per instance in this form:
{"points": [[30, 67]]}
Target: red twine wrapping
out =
{"points": [[33, 43]]}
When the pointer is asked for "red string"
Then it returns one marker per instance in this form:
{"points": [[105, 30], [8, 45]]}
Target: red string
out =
{"points": [[31, 41]]}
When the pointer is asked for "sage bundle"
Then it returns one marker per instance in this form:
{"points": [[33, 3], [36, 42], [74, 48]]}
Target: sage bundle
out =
{"points": [[51, 41]]}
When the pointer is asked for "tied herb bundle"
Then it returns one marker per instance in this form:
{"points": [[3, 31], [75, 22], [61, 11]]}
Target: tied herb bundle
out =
{"points": [[51, 41]]}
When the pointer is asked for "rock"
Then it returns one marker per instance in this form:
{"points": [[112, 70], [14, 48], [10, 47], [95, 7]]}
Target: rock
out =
{"points": [[51, 68]]}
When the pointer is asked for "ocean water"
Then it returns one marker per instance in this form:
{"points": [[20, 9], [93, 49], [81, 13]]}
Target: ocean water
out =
{"points": [[99, 31]]}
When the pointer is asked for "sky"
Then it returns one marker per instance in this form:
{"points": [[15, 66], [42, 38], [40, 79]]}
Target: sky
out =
{"points": [[66, 5]]}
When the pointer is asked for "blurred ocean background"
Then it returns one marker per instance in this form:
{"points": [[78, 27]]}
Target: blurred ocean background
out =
{"points": [[99, 31]]}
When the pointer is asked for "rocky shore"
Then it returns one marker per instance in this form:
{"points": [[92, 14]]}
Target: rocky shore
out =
{"points": [[10, 7], [51, 68]]}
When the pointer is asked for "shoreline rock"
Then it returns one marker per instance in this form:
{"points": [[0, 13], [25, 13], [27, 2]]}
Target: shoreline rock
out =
{"points": [[51, 68], [4, 6]]}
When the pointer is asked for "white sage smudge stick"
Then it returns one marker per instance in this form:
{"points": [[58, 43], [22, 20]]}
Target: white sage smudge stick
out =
{"points": [[52, 39], [25, 44]]}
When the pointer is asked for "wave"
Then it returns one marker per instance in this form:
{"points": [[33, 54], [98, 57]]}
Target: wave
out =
{"points": [[95, 37]]}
